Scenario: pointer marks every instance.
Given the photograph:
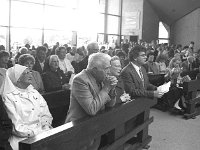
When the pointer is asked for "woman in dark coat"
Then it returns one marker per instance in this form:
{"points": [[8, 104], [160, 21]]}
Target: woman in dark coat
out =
{"points": [[54, 78]]}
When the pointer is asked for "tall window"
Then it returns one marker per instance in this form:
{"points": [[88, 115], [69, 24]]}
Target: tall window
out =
{"points": [[111, 9], [49, 21], [163, 33]]}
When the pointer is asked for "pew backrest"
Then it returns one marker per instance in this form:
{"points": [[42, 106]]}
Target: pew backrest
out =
{"points": [[71, 135], [58, 103], [191, 91]]}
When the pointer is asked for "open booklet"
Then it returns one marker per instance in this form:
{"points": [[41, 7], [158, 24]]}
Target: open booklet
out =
{"points": [[164, 88]]}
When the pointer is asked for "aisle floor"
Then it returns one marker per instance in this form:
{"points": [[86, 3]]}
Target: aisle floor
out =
{"points": [[171, 132]]}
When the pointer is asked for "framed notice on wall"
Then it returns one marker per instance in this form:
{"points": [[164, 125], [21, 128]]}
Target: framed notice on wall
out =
{"points": [[130, 22]]}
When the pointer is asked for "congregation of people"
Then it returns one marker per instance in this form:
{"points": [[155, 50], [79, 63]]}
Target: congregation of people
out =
{"points": [[96, 78]]}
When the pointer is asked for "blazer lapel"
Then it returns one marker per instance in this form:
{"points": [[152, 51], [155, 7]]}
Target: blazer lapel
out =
{"points": [[135, 73], [93, 82]]}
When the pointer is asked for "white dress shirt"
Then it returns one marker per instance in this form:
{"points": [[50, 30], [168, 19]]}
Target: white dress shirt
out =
{"points": [[65, 65], [137, 70]]}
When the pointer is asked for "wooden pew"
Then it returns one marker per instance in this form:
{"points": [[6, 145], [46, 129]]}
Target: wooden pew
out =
{"points": [[58, 103], [156, 79], [73, 134], [192, 102]]}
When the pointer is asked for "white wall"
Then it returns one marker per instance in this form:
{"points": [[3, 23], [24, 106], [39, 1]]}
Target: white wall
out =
{"points": [[187, 29]]}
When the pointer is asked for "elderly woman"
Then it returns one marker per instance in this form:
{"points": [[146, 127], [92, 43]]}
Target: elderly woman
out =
{"points": [[29, 61], [25, 106], [54, 79], [115, 70]]}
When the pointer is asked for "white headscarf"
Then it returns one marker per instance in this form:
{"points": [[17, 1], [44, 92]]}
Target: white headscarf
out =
{"points": [[12, 76]]}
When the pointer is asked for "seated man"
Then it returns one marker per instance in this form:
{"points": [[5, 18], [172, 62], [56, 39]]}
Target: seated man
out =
{"points": [[134, 76], [92, 90]]}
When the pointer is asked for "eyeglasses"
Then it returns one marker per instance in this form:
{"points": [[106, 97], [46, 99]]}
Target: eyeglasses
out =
{"points": [[27, 72], [143, 55]]}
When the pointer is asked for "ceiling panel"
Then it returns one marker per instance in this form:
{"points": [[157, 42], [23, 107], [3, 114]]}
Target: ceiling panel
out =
{"points": [[171, 10]]}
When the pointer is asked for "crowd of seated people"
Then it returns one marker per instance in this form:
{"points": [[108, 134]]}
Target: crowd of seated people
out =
{"points": [[53, 69]]}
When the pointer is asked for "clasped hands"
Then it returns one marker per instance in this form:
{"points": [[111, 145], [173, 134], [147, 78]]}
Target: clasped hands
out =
{"points": [[109, 83]]}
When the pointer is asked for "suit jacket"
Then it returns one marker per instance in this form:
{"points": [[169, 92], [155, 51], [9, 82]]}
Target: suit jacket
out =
{"points": [[119, 89], [133, 84], [83, 64], [37, 66], [53, 80], [86, 97]]}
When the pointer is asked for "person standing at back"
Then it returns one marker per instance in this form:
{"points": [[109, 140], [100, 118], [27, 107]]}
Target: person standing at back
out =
{"points": [[40, 59], [91, 48]]}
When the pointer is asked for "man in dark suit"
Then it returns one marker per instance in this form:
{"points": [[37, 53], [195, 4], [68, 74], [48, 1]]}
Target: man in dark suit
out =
{"points": [[134, 76], [40, 59], [91, 48]]}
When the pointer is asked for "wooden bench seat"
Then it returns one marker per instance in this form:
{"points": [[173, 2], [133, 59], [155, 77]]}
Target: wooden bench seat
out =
{"points": [[69, 136]]}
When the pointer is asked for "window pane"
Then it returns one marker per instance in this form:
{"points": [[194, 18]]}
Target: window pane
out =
{"points": [[102, 4], [4, 12], [114, 7], [84, 37], [88, 22], [26, 14], [112, 40], [163, 41], [100, 24], [100, 39], [35, 1], [3, 36], [20, 36], [51, 37], [113, 25], [163, 33], [58, 18], [63, 3]]}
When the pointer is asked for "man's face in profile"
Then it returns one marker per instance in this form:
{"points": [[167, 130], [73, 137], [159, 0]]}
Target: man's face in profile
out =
{"points": [[141, 59]]}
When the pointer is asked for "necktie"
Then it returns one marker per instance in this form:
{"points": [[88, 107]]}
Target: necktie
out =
{"points": [[141, 76], [190, 67]]}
